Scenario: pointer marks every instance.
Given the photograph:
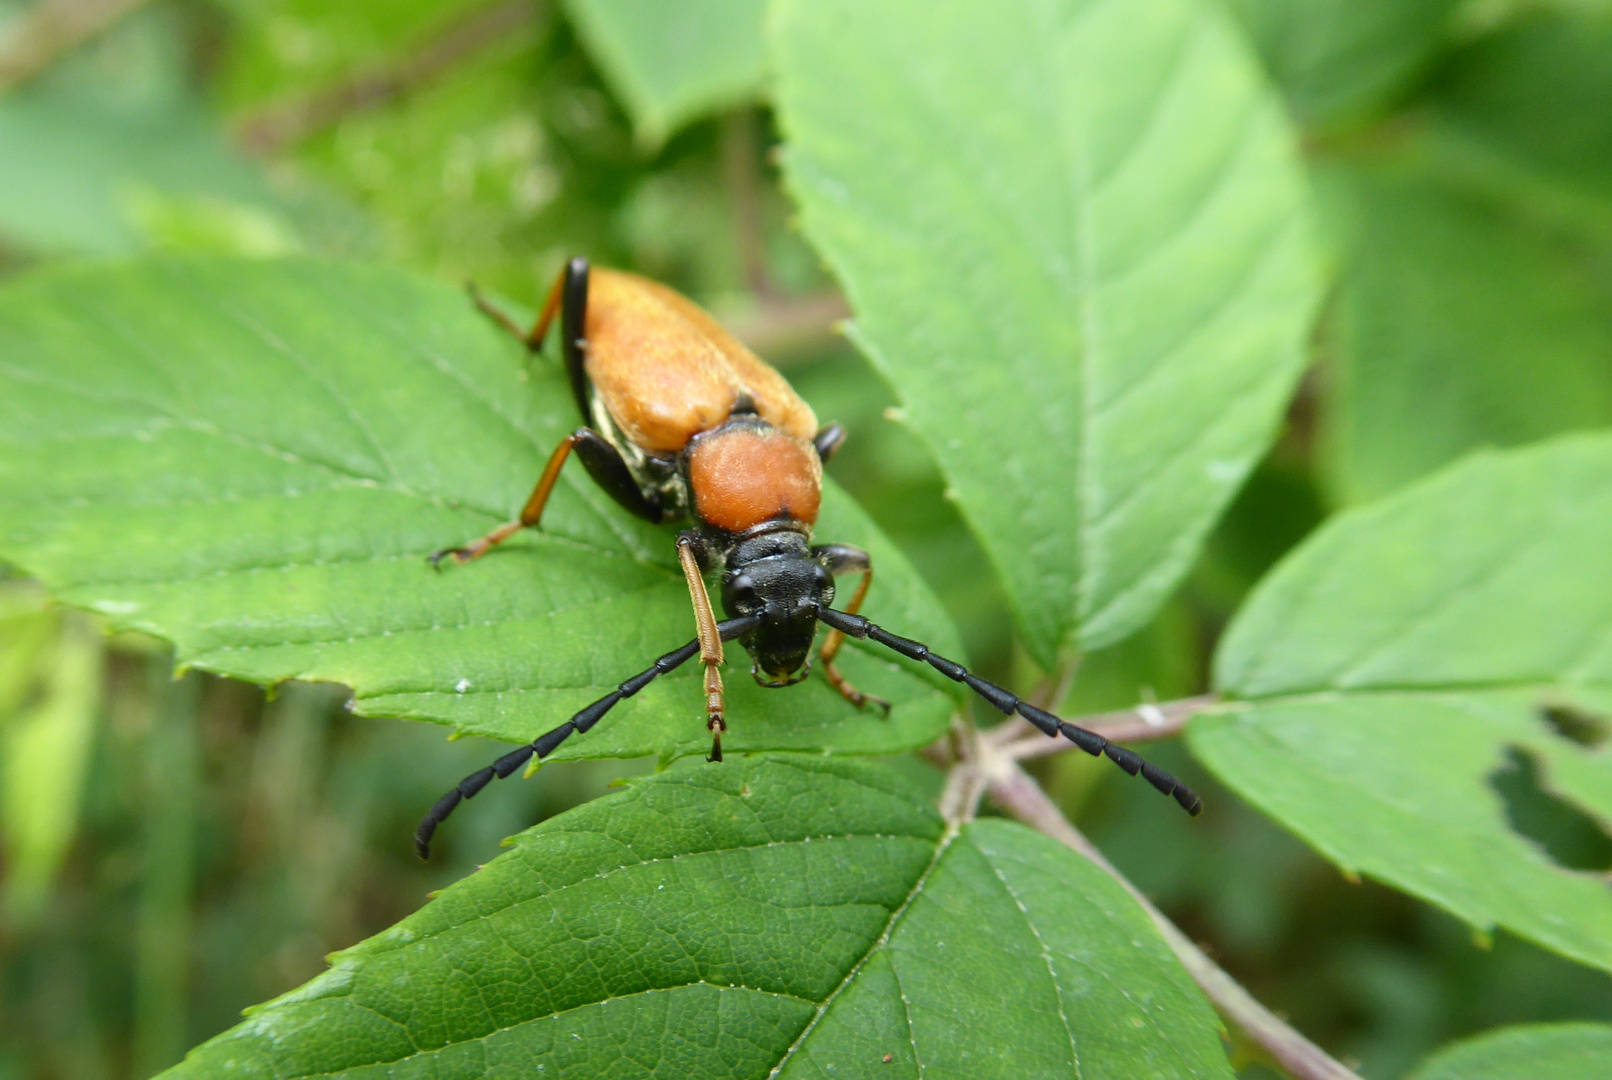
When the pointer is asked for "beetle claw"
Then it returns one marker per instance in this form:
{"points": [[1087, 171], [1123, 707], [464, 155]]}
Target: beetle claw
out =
{"points": [[436, 557]]}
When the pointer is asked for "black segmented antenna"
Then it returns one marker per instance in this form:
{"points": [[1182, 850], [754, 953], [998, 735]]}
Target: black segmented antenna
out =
{"points": [[549, 741], [853, 626], [1094, 744]]}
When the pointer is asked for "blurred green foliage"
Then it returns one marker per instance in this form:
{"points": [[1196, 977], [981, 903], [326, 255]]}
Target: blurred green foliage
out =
{"points": [[174, 852]]}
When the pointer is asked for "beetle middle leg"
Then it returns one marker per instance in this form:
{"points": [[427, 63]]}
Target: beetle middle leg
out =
{"points": [[844, 559], [604, 463], [688, 547]]}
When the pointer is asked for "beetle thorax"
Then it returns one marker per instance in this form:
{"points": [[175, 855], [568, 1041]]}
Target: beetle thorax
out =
{"points": [[746, 473]]}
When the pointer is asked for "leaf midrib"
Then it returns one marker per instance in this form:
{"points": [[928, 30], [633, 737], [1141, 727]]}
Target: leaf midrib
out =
{"points": [[953, 830]]}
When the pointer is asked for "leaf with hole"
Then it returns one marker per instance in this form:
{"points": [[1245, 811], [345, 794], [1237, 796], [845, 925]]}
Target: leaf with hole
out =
{"points": [[1528, 1052], [253, 459], [1093, 304], [1388, 668], [777, 917]]}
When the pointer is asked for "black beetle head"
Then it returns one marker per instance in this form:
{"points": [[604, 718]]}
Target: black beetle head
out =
{"points": [[776, 577]]}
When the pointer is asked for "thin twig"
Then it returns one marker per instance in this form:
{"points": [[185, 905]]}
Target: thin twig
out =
{"points": [[287, 122], [792, 326], [967, 781], [1144, 723], [1018, 793], [37, 39]]}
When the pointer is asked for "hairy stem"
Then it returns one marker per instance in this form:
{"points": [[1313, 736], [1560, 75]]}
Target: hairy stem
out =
{"points": [[1144, 723], [1017, 792]]}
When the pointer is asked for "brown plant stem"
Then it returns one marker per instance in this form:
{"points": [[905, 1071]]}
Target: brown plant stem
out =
{"points": [[281, 124], [36, 39], [740, 164], [1015, 791]]}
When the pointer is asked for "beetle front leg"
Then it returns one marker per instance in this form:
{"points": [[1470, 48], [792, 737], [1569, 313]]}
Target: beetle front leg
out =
{"points": [[844, 559], [531, 513], [688, 545]]}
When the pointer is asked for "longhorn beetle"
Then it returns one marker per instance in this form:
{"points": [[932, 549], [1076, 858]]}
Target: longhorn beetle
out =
{"points": [[688, 424]]}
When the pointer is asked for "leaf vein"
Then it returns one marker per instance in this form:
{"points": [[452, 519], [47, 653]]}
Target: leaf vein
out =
{"points": [[1046, 958]]}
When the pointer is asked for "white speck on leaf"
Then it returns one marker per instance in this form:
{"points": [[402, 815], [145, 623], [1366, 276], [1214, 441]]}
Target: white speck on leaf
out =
{"points": [[116, 607]]}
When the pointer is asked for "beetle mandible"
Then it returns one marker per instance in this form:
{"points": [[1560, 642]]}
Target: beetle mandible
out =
{"points": [[681, 422]]}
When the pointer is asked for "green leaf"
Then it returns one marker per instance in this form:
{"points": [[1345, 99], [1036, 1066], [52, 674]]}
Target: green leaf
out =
{"points": [[774, 917], [94, 146], [1530, 1052], [1074, 237], [673, 63], [1458, 327], [1391, 663], [44, 747], [1340, 59], [253, 459]]}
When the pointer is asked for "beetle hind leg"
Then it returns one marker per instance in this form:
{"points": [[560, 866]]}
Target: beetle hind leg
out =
{"points": [[844, 559], [567, 298]]}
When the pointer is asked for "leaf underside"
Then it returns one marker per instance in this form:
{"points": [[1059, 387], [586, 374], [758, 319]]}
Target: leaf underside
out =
{"points": [[1392, 662], [781, 916], [253, 459], [1093, 306]]}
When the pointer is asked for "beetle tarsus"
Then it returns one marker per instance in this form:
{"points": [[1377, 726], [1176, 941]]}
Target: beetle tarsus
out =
{"points": [[716, 744], [459, 554]]}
